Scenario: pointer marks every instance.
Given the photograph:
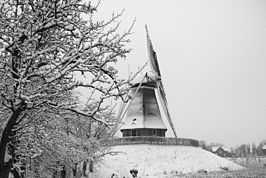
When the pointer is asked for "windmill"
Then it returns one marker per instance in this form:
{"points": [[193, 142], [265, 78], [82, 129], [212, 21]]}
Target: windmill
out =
{"points": [[142, 115]]}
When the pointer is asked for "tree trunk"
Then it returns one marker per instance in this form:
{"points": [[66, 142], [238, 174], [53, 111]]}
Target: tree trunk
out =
{"points": [[15, 173], [5, 139], [91, 166], [5, 168], [84, 168], [36, 167], [75, 170], [63, 172]]}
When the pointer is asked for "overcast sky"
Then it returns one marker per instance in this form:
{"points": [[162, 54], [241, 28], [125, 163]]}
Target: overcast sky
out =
{"points": [[212, 56]]}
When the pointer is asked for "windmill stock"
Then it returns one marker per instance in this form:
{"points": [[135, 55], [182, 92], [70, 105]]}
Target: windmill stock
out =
{"points": [[155, 69]]}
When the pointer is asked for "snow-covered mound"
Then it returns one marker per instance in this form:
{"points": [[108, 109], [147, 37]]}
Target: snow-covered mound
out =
{"points": [[159, 160]]}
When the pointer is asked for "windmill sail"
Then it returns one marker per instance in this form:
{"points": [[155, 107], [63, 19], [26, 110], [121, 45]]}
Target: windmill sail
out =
{"points": [[152, 55], [155, 69]]}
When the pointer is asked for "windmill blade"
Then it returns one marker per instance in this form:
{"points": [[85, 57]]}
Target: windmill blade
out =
{"points": [[155, 69], [164, 103], [152, 55]]}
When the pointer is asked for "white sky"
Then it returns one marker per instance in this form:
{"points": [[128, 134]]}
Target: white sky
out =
{"points": [[212, 56]]}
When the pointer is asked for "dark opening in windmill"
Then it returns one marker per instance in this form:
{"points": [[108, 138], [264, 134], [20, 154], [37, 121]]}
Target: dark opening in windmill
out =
{"points": [[133, 122]]}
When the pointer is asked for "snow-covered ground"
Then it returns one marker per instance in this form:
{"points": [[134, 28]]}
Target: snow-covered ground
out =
{"points": [[160, 160]]}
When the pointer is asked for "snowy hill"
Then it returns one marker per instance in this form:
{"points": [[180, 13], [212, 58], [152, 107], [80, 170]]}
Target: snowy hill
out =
{"points": [[158, 160]]}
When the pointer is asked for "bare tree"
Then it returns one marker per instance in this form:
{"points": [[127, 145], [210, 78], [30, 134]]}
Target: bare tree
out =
{"points": [[44, 45]]}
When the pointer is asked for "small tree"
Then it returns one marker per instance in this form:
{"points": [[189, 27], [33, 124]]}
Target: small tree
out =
{"points": [[205, 146], [254, 149], [43, 46]]}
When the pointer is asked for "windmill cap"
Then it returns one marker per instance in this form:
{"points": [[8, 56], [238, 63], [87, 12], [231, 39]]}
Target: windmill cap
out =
{"points": [[147, 79]]}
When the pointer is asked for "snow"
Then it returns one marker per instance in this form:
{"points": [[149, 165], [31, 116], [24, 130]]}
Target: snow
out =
{"points": [[7, 157], [264, 147], [215, 148], [158, 160], [226, 149]]}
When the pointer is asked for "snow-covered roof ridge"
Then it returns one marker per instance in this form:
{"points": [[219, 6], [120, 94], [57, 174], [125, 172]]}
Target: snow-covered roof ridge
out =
{"points": [[215, 148]]}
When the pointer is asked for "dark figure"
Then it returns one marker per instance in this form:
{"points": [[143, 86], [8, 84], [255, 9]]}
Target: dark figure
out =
{"points": [[113, 176], [134, 172]]}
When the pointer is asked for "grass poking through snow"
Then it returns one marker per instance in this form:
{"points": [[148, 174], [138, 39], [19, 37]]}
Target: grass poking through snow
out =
{"points": [[255, 168]]}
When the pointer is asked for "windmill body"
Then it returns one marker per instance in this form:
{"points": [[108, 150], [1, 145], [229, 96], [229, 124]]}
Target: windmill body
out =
{"points": [[143, 117]]}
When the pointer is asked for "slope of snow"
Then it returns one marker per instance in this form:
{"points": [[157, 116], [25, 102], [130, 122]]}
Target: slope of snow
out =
{"points": [[158, 160]]}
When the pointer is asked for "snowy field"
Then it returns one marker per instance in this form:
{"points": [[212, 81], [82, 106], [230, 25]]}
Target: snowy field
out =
{"points": [[161, 161]]}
